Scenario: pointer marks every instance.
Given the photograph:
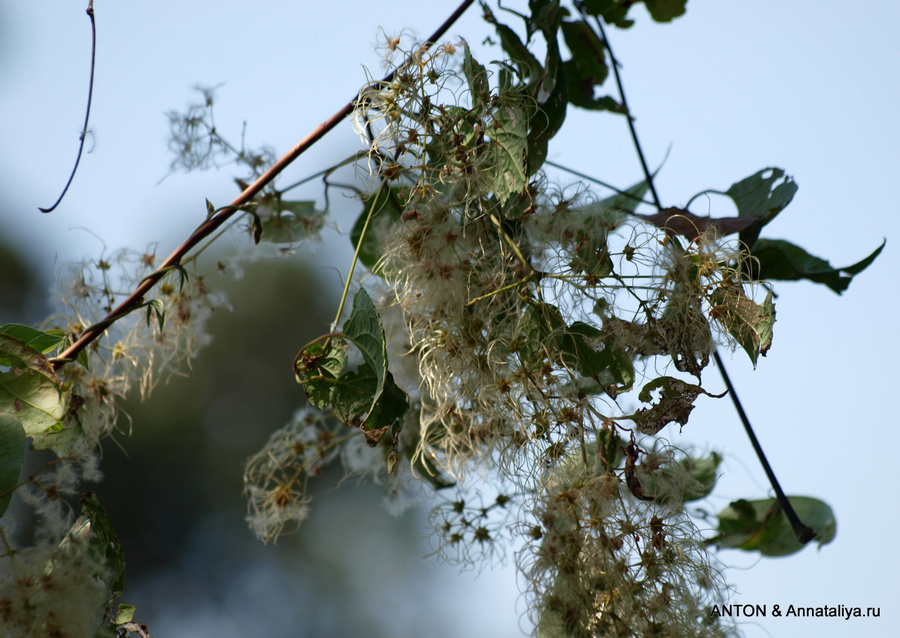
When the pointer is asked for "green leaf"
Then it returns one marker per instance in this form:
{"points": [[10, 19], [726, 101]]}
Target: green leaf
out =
{"points": [[155, 307], [580, 92], [604, 453], [667, 481], [12, 456], [367, 397], [385, 208], [461, 132], [102, 545], [591, 255], [587, 69], [41, 341], [745, 320], [477, 79], [545, 17], [388, 410], [545, 86], [353, 392], [57, 437], [612, 11], [588, 52], [581, 346], [287, 222], [30, 391], [779, 259], [762, 526], [575, 346], [317, 368], [364, 330], [762, 195], [423, 465], [539, 321], [125, 614], [705, 472], [510, 146], [615, 11], [549, 116], [520, 55], [593, 355], [620, 366], [665, 10], [610, 449]]}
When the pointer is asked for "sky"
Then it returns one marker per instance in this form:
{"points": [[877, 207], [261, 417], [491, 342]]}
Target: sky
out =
{"points": [[726, 90]]}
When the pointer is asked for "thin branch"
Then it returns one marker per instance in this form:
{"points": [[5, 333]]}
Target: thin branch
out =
{"points": [[634, 137], [208, 227], [803, 532], [87, 115], [618, 191]]}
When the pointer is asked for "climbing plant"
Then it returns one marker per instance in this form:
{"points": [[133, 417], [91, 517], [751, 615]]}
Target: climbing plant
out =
{"points": [[551, 340]]}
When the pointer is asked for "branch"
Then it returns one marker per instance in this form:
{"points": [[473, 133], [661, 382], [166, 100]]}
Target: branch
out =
{"points": [[87, 115], [803, 532], [617, 191], [634, 137], [210, 226]]}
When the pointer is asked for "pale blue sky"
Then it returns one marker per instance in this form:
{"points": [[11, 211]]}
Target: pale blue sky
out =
{"points": [[733, 87]]}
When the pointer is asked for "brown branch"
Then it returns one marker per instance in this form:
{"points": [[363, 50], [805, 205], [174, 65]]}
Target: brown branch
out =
{"points": [[210, 226], [87, 115]]}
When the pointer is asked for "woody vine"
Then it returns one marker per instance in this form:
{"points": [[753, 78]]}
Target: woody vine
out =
{"points": [[492, 323]]}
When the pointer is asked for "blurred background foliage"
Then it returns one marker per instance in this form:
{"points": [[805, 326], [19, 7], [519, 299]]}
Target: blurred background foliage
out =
{"points": [[172, 489]]}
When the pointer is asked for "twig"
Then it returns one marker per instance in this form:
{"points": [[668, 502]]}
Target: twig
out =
{"points": [[618, 191], [87, 115], [214, 222]]}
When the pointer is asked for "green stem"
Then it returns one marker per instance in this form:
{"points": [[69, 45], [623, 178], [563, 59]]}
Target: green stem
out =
{"points": [[533, 276], [515, 248], [362, 237]]}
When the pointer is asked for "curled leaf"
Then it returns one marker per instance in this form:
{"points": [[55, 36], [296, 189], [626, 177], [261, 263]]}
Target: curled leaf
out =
{"points": [[367, 397], [675, 404], [679, 221], [748, 322]]}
